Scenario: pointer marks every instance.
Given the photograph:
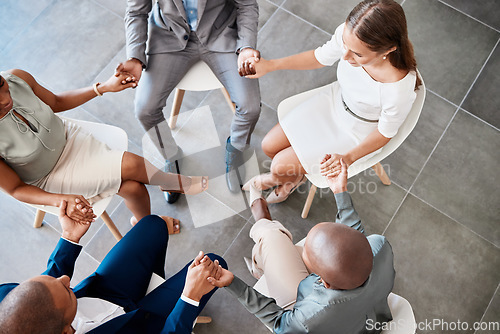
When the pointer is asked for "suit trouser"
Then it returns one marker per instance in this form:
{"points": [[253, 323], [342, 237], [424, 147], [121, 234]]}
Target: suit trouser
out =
{"points": [[165, 70], [275, 255], [128, 267]]}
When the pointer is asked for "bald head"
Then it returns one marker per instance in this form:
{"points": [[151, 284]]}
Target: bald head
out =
{"points": [[30, 308], [339, 254]]}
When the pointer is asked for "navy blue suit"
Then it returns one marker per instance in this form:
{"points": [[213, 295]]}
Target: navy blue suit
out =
{"points": [[123, 278]]}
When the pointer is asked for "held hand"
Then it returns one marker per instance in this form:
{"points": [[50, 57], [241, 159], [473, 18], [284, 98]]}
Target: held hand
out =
{"points": [[117, 83], [78, 209], [225, 278], [133, 67], [336, 176], [72, 230], [258, 68], [246, 61], [197, 285]]}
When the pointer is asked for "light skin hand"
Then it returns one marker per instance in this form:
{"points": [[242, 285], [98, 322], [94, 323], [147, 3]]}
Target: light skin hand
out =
{"points": [[337, 180], [331, 164], [225, 278], [72, 229], [78, 208], [199, 270], [246, 67], [133, 67], [260, 68], [117, 83]]}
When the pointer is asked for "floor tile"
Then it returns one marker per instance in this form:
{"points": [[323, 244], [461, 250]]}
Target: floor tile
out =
{"points": [[485, 11], [433, 258], [405, 163], [72, 52], [266, 10], [277, 86], [455, 182], [116, 6], [16, 15], [448, 62], [490, 323], [483, 100], [328, 18]]}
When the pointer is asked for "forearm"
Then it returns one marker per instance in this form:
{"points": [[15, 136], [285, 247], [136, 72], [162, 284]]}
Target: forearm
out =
{"points": [[346, 214], [33, 195], [371, 143], [74, 98], [301, 61], [136, 28], [264, 308]]}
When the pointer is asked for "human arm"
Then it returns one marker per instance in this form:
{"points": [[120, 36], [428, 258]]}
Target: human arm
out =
{"points": [[78, 207], [337, 181], [184, 313], [264, 308], [73, 98], [374, 141], [300, 61], [63, 258]]}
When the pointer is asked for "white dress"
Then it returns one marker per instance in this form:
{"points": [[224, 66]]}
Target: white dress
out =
{"points": [[322, 125]]}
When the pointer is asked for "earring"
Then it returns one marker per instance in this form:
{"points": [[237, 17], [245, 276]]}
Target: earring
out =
{"points": [[384, 57]]}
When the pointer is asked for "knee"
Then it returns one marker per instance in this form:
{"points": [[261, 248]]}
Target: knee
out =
{"points": [[132, 189], [268, 147], [214, 257], [155, 226]]}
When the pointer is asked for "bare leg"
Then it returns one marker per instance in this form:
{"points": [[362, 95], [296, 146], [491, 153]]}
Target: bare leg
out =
{"points": [[286, 172], [136, 198], [275, 141], [136, 168]]}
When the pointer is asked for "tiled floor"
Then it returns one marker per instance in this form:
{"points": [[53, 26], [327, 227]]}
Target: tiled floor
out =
{"points": [[441, 213]]}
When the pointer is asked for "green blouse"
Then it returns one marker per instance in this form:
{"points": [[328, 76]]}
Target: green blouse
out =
{"points": [[31, 150]]}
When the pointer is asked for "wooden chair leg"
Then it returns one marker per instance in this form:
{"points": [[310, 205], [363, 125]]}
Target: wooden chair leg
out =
{"points": [[203, 320], [379, 169], [310, 197], [112, 227], [228, 99], [38, 218], [176, 107]]}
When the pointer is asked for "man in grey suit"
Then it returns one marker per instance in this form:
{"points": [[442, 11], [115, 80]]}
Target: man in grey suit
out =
{"points": [[222, 33], [351, 274]]}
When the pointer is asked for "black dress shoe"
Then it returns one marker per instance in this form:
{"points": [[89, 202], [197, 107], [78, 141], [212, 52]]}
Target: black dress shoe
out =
{"points": [[234, 159], [172, 167]]}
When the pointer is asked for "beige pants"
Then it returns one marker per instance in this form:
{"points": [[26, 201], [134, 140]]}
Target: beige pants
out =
{"points": [[275, 255]]}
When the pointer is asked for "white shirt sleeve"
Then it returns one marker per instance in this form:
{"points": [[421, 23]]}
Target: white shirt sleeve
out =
{"points": [[190, 301], [331, 51], [397, 100]]}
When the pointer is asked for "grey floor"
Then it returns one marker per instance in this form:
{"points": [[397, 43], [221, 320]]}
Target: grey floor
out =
{"points": [[441, 212]]}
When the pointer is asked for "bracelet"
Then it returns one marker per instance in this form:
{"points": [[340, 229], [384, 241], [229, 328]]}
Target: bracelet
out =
{"points": [[96, 90]]}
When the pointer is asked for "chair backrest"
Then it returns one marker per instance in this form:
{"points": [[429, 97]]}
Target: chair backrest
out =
{"points": [[357, 167], [115, 137], [199, 78], [403, 320]]}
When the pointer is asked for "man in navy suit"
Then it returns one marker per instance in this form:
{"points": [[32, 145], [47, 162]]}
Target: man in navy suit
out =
{"points": [[113, 299]]}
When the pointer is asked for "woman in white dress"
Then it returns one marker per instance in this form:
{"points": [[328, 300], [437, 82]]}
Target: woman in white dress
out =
{"points": [[47, 160], [352, 117]]}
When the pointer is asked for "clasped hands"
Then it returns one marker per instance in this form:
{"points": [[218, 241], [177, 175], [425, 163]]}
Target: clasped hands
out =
{"points": [[199, 274], [334, 168]]}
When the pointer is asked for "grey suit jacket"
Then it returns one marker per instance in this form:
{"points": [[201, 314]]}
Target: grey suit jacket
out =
{"points": [[322, 310], [223, 26]]}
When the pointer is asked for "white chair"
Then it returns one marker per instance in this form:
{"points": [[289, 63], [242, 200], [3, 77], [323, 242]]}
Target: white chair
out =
{"points": [[318, 181], [116, 139], [199, 78], [403, 320]]}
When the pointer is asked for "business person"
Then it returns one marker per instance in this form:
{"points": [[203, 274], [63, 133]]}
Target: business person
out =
{"points": [[116, 291], [221, 33], [341, 279]]}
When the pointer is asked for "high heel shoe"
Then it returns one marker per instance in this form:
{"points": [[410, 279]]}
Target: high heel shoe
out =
{"points": [[273, 197], [198, 184]]}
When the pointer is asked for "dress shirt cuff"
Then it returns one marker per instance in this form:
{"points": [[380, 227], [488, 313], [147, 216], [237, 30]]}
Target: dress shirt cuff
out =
{"points": [[190, 301], [74, 243], [343, 200]]}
